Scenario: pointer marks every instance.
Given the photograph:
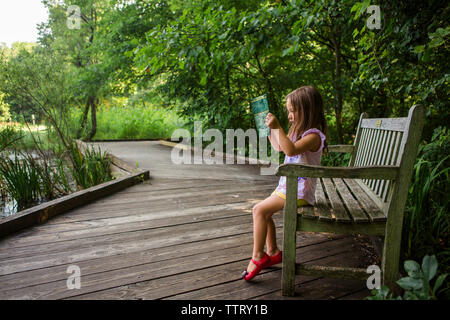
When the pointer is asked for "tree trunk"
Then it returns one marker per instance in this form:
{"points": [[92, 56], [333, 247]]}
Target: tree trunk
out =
{"points": [[94, 103], [83, 120], [338, 88]]}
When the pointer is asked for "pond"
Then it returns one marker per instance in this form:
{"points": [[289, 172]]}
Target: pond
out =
{"points": [[8, 206]]}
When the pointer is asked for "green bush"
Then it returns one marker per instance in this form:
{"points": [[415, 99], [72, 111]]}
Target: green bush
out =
{"points": [[416, 285]]}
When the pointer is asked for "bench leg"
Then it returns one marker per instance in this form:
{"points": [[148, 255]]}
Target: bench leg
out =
{"points": [[289, 238], [288, 271], [390, 261]]}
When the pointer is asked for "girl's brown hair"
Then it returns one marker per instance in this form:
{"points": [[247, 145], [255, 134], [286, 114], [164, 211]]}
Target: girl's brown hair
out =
{"points": [[308, 105]]}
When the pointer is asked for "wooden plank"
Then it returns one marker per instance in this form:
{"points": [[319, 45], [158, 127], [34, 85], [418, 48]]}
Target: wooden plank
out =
{"points": [[382, 160], [307, 212], [119, 225], [175, 234], [181, 268], [198, 281], [331, 272], [367, 147], [356, 144], [122, 261], [128, 259], [381, 149], [356, 213], [394, 159], [322, 206], [361, 146], [374, 228], [372, 152], [339, 211], [40, 213], [262, 284], [372, 210], [312, 171], [325, 288], [122, 200], [341, 148], [386, 159], [154, 185], [395, 124], [151, 206]]}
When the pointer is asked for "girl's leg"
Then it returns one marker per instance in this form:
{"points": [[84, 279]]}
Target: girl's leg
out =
{"points": [[271, 239], [262, 212]]}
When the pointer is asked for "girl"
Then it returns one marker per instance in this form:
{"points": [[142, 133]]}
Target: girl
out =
{"points": [[303, 144]]}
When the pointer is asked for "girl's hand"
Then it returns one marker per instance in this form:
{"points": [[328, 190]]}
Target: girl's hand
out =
{"points": [[272, 121]]}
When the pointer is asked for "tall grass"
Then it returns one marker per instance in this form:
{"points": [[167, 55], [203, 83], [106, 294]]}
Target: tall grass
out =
{"points": [[30, 179], [131, 122], [90, 168], [21, 180]]}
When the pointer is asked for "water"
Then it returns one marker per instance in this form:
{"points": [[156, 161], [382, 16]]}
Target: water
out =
{"points": [[8, 206]]}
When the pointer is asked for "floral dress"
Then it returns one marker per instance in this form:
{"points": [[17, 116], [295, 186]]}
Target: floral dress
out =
{"points": [[306, 186]]}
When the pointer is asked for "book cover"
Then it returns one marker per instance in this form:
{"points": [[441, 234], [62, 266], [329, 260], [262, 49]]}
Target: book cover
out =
{"points": [[260, 108]]}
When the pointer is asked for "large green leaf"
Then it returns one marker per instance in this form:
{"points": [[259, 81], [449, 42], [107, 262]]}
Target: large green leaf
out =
{"points": [[429, 266]]}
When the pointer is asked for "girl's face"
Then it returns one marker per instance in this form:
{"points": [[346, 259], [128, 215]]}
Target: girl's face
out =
{"points": [[292, 116]]}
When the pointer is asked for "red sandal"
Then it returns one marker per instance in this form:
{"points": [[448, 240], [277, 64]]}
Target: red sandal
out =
{"points": [[278, 258], [260, 264]]}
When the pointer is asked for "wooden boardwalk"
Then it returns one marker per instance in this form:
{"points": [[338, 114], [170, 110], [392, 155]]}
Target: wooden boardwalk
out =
{"points": [[184, 234]]}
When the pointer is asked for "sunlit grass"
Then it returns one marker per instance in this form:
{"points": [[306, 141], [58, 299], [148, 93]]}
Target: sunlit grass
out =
{"points": [[131, 122]]}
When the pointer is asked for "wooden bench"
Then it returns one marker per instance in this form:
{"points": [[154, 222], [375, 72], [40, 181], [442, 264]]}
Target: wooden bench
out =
{"points": [[367, 197]]}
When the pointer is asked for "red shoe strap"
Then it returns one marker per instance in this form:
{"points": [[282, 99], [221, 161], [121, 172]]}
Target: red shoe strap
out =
{"points": [[259, 263]]}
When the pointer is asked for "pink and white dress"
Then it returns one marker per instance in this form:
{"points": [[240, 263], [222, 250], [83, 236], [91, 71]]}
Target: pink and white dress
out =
{"points": [[306, 186]]}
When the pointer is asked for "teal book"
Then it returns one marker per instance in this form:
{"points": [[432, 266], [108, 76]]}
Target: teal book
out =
{"points": [[260, 108]]}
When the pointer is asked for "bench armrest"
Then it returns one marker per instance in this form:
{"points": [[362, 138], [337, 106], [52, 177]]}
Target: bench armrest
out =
{"points": [[373, 172], [341, 148]]}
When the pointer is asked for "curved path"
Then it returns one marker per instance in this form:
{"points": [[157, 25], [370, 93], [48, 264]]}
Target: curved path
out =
{"points": [[184, 234]]}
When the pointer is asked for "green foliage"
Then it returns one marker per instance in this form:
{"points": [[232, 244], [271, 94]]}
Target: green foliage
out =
{"points": [[4, 109], [132, 122], [417, 285], [91, 167], [21, 179], [334, 159], [8, 136], [427, 216]]}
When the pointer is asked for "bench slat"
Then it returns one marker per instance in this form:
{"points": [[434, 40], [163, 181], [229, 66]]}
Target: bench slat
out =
{"points": [[394, 157], [373, 211], [380, 150], [336, 203], [361, 145], [373, 151], [395, 124], [390, 158], [366, 148], [354, 208], [322, 206], [387, 145], [307, 212]]}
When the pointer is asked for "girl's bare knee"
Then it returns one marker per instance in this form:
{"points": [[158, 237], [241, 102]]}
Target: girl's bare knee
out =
{"points": [[257, 211]]}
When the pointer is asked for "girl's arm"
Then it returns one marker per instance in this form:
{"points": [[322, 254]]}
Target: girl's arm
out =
{"points": [[310, 142], [274, 141]]}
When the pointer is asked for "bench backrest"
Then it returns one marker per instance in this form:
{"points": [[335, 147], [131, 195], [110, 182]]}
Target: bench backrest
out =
{"points": [[386, 141]]}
